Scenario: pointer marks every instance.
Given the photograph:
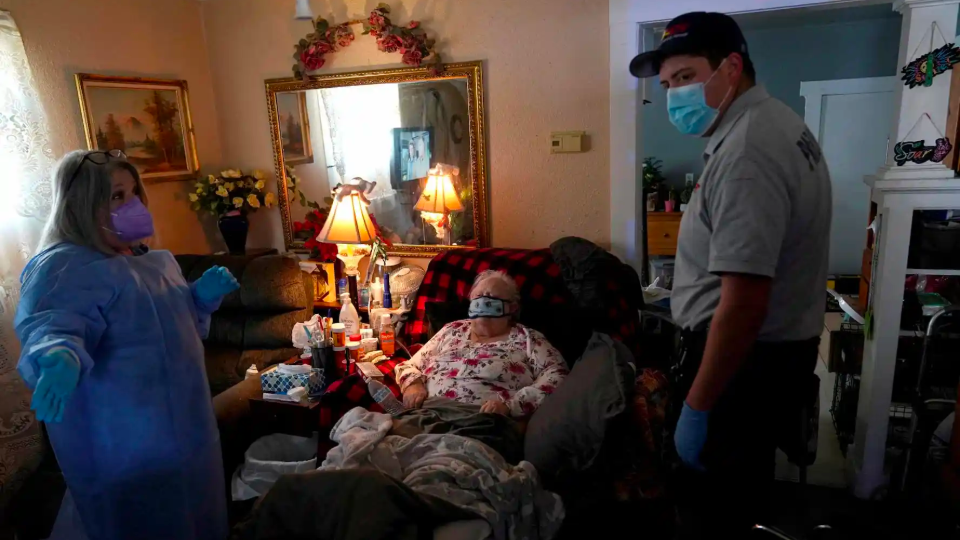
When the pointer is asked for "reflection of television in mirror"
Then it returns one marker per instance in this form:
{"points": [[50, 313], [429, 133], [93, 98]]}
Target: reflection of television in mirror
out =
{"points": [[412, 154]]}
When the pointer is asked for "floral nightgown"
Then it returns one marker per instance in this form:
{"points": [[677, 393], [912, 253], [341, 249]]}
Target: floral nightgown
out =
{"points": [[520, 370]]}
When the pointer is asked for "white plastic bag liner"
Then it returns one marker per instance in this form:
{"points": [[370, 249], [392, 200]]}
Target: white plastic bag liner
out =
{"points": [[268, 458]]}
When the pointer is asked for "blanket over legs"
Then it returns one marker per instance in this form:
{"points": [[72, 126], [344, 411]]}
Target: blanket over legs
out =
{"points": [[460, 470]]}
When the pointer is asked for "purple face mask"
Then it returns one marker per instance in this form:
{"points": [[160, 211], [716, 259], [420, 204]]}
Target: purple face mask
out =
{"points": [[131, 221]]}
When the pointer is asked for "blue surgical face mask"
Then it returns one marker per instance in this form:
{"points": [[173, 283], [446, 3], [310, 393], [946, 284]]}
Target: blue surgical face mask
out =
{"points": [[487, 307], [688, 109]]}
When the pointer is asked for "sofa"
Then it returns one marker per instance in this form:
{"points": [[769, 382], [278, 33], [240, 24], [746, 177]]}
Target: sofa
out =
{"points": [[252, 327]]}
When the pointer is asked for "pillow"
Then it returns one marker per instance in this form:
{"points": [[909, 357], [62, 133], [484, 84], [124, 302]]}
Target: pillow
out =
{"points": [[566, 432], [563, 325]]}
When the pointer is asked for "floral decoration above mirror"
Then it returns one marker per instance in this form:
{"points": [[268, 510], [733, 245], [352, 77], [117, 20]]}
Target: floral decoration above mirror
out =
{"points": [[411, 41]]}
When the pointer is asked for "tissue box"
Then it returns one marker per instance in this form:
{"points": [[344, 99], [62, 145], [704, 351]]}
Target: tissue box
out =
{"points": [[275, 382]]}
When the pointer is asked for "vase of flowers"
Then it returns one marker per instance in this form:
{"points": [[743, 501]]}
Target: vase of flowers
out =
{"points": [[231, 196]]}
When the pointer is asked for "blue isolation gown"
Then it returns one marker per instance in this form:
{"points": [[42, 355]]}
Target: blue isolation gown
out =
{"points": [[138, 445]]}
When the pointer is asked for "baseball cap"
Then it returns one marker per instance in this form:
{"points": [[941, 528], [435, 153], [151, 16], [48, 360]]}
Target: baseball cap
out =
{"points": [[692, 33]]}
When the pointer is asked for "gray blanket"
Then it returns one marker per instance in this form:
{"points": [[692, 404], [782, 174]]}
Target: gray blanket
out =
{"points": [[399, 478], [359, 504], [441, 415]]}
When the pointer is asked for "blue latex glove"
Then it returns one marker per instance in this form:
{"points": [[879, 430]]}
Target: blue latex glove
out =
{"points": [[59, 375], [690, 435], [214, 284]]}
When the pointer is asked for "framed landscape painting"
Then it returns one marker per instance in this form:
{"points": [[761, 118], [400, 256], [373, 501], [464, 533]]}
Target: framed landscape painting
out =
{"points": [[294, 127], [148, 119]]}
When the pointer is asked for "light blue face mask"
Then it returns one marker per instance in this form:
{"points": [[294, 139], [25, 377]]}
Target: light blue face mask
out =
{"points": [[688, 109], [487, 307]]}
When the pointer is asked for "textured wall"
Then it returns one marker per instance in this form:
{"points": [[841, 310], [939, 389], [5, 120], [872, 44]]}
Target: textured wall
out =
{"points": [[783, 58], [545, 66], [146, 38]]}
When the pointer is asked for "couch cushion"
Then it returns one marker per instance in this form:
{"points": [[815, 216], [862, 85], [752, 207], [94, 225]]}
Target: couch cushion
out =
{"points": [[250, 330], [567, 430], [271, 283], [563, 325], [274, 284]]}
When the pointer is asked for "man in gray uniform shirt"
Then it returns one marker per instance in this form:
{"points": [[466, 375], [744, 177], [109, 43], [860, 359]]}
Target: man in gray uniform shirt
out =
{"points": [[751, 271]]}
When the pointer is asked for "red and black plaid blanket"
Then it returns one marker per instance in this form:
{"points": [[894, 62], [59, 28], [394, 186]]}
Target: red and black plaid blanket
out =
{"points": [[451, 273], [350, 392]]}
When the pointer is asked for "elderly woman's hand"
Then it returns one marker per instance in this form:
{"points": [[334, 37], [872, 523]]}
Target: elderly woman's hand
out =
{"points": [[414, 394], [494, 406]]}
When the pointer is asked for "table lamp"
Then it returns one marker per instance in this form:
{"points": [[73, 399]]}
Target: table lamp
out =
{"points": [[349, 227], [439, 198]]}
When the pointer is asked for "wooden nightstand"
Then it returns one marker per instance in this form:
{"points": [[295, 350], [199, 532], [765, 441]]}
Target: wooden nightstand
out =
{"points": [[663, 228], [288, 418]]}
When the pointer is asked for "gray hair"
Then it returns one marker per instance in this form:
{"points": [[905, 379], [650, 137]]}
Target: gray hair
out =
{"points": [[79, 206], [513, 292]]}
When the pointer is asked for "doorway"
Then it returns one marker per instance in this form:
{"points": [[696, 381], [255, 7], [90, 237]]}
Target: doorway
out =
{"points": [[851, 119]]}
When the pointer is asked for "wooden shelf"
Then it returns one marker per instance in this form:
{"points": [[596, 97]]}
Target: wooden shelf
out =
{"points": [[334, 306]]}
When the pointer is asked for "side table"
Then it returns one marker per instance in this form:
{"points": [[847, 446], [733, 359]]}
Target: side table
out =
{"points": [[281, 417]]}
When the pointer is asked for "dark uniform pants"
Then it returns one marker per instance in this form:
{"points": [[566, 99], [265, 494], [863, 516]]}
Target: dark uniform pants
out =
{"points": [[759, 411]]}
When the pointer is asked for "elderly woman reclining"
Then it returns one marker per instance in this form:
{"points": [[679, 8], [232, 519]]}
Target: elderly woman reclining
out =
{"points": [[489, 360]]}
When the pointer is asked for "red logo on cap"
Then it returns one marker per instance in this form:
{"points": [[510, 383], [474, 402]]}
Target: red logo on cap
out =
{"points": [[671, 30]]}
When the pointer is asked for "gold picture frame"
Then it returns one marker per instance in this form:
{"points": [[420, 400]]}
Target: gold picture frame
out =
{"points": [[476, 129], [149, 119], [329, 270], [291, 156]]}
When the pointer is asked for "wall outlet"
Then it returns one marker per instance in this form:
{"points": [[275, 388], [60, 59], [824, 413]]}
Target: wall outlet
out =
{"points": [[562, 142]]}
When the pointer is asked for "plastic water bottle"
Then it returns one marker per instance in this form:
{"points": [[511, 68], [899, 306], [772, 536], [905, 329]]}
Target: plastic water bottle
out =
{"points": [[382, 395]]}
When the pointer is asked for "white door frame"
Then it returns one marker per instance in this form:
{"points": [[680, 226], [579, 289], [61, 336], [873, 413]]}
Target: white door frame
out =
{"points": [[813, 92]]}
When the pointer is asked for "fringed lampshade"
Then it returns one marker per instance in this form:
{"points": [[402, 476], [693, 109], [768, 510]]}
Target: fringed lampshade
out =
{"points": [[349, 226], [348, 221], [439, 196]]}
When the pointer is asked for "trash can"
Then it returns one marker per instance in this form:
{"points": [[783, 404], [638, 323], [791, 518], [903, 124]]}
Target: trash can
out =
{"points": [[267, 459]]}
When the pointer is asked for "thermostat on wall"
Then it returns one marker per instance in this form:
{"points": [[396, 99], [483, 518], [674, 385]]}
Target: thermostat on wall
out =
{"points": [[566, 141]]}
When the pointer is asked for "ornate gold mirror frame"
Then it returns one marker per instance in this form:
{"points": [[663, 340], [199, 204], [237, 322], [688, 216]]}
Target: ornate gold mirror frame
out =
{"points": [[471, 71]]}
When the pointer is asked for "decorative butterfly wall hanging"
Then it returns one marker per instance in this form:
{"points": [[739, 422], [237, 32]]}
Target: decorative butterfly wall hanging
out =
{"points": [[922, 70]]}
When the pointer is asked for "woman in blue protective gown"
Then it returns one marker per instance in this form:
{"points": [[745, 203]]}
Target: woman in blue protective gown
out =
{"points": [[111, 344]]}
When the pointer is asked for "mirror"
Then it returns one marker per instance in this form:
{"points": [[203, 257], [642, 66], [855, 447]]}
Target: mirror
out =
{"points": [[386, 130]]}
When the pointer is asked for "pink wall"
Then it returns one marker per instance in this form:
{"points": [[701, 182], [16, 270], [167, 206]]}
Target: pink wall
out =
{"points": [[147, 38], [546, 69]]}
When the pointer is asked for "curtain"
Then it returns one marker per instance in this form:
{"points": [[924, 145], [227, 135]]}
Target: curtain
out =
{"points": [[358, 123], [26, 161], [359, 131]]}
